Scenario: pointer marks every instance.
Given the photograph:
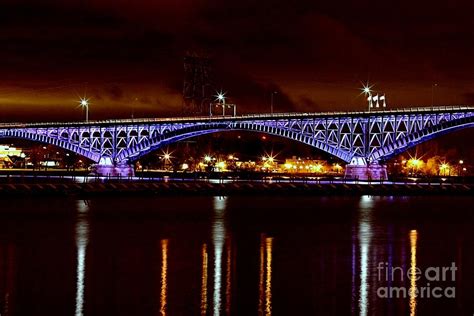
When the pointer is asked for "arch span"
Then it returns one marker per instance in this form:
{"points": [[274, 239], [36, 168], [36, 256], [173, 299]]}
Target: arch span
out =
{"points": [[411, 140], [148, 145], [44, 139]]}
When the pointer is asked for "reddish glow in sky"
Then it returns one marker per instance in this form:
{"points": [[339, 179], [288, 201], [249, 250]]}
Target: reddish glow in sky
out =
{"points": [[314, 54]]}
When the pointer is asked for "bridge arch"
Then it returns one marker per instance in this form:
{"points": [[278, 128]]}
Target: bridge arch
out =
{"points": [[413, 139], [19, 134], [153, 143]]}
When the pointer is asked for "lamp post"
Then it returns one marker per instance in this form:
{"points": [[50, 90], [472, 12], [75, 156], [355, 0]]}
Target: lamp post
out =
{"points": [[221, 99], [84, 103], [367, 91]]}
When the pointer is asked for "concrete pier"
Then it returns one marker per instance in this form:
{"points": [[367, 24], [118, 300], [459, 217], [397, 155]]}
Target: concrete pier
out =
{"points": [[366, 172], [123, 170]]}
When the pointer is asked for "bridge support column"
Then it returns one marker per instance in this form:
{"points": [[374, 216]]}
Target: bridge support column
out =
{"points": [[361, 170], [106, 168]]}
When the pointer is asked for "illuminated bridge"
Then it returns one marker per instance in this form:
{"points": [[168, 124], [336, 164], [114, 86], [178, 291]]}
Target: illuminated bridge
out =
{"points": [[364, 140]]}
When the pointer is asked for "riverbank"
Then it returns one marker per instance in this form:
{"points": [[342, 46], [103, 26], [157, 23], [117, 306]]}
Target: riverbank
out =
{"points": [[111, 188]]}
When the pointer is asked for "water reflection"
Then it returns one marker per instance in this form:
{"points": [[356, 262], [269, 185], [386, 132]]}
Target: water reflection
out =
{"points": [[192, 264], [265, 276], [204, 256], [164, 273], [218, 238], [268, 288], [413, 276], [228, 278], [365, 236], [82, 239]]}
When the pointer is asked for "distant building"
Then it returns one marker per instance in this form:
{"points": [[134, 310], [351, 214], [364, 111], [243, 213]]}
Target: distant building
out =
{"points": [[6, 152]]}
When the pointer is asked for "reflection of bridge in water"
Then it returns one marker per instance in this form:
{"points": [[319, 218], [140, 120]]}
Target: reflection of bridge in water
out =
{"points": [[364, 140]]}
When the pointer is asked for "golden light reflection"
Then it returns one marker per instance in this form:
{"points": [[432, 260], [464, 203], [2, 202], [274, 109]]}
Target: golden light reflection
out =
{"points": [[413, 241], [204, 279], [265, 276], [268, 288], [164, 273]]}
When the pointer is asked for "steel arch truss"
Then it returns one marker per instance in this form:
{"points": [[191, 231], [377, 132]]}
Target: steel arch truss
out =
{"points": [[373, 136]]}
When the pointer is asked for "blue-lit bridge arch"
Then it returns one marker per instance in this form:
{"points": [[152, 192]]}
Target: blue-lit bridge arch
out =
{"points": [[159, 141], [359, 138]]}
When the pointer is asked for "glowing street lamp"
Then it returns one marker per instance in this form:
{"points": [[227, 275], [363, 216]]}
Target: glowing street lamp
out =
{"points": [[415, 164], [84, 103], [367, 91], [207, 158], [444, 169], [221, 98]]}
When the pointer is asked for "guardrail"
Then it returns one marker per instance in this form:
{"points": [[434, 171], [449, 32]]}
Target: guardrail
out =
{"points": [[242, 117]]}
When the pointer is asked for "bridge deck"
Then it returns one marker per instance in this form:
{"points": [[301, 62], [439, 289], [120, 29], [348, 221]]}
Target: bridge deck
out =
{"points": [[266, 116]]}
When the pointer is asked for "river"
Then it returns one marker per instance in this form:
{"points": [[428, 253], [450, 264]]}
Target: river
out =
{"points": [[237, 256]]}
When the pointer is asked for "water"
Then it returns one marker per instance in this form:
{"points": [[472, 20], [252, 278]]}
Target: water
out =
{"points": [[232, 256]]}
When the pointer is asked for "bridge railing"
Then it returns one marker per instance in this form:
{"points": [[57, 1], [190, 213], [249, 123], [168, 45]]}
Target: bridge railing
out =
{"points": [[241, 117]]}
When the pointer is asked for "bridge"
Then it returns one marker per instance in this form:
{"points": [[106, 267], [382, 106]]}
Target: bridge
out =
{"points": [[364, 140]]}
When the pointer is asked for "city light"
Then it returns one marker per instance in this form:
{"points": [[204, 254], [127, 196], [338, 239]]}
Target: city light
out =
{"points": [[221, 97], [444, 169], [84, 103], [367, 89], [207, 158], [318, 168], [221, 165], [166, 155]]}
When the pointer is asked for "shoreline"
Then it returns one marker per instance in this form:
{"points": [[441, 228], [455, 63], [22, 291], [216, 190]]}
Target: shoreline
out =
{"points": [[177, 188]]}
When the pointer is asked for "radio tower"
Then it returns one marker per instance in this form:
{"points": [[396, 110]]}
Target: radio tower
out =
{"points": [[197, 89]]}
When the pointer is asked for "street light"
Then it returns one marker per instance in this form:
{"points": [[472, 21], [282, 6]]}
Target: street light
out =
{"points": [[367, 91], [84, 103], [220, 98]]}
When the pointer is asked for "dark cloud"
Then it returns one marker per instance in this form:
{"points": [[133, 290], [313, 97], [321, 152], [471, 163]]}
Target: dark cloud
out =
{"points": [[315, 54]]}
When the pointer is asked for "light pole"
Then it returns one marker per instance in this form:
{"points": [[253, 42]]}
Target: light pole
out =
{"points": [[222, 101], [85, 104], [366, 90], [271, 101]]}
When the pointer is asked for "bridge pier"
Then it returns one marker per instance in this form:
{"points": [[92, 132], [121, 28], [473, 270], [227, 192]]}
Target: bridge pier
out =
{"points": [[107, 168], [361, 170]]}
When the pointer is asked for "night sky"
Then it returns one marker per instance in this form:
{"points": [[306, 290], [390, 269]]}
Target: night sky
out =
{"points": [[128, 55]]}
